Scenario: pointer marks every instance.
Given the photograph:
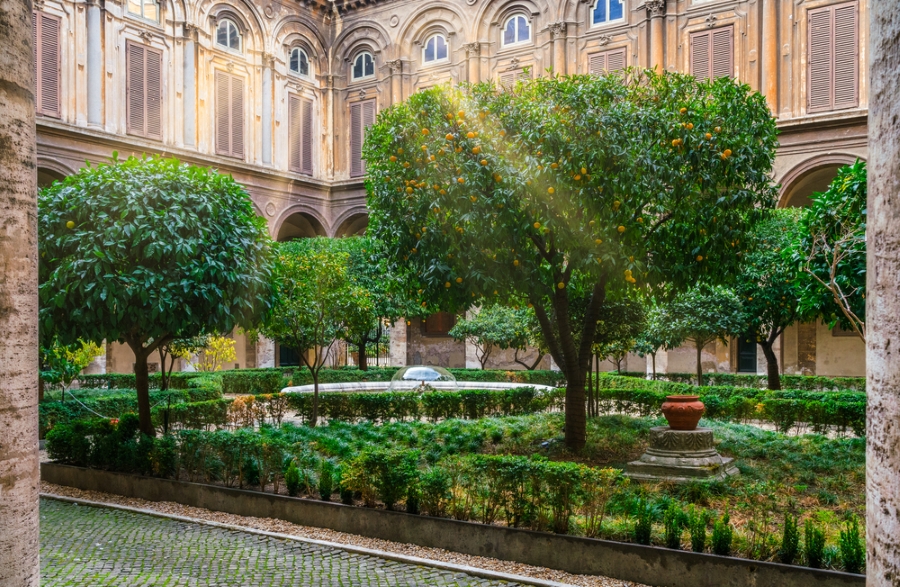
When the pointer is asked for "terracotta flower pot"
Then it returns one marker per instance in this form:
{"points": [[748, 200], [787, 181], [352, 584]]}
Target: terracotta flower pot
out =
{"points": [[683, 412]]}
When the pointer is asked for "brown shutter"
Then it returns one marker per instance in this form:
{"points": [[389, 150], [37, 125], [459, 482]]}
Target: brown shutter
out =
{"points": [[46, 63], [356, 167], [134, 88], [368, 119], [153, 86], [846, 56], [820, 55], [306, 163], [722, 53], [508, 80], [223, 114], [597, 63], [700, 55], [237, 117], [607, 61], [294, 133]]}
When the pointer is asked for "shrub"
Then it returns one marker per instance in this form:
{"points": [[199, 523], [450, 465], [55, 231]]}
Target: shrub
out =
{"points": [[434, 487], [853, 551], [697, 522], [722, 536], [790, 541], [292, 479], [412, 499], [326, 481], [643, 527], [813, 545], [673, 521]]}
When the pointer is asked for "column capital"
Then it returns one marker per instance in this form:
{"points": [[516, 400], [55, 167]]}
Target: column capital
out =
{"points": [[655, 8], [268, 60], [472, 49], [395, 66], [557, 30], [189, 31]]}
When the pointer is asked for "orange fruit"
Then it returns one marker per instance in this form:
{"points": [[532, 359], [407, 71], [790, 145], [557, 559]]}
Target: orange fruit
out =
{"points": [[449, 137], [708, 136], [598, 241], [689, 126], [516, 263], [70, 224], [621, 229], [484, 161], [584, 170], [677, 142], [393, 159], [537, 224], [473, 198], [399, 151], [470, 135], [551, 191], [459, 280], [406, 164], [424, 147], [425, 131], [561, 285], [553, 166], [718, 129], [699, 258], [447, 284], [461, 114], [497, 177], [409, 190], [461, 180], [683, 110]]}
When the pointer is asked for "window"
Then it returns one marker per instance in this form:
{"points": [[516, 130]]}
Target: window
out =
{"points": [[229, 115], [607, 61], [362, 116], [299, 62], [300, 134], [228, 35], [363, 66], [712, 53], [833, 56], [607, 11], [143, 89], [435, 49], [508, 79], [517, 30], [148, 9], [45, 32]]}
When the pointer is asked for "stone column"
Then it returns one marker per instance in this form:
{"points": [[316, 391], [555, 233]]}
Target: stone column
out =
{"points": [[19, 472], [268, 64], [396, 69], [94, 64], [265, 352], [473, 58], [329, 130], [883, 301], [558, 36], [398, 337], [656, 10], [190, 85], [770, 50]]}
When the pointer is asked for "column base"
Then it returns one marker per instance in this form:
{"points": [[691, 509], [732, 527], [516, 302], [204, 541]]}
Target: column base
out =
{"points": [[681, 456]]}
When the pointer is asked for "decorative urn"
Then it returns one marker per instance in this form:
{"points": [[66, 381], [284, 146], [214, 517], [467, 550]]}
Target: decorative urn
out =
{"points": [[683, 412]]}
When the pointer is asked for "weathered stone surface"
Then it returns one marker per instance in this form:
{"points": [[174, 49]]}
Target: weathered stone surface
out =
{"points": [[681, 456]]}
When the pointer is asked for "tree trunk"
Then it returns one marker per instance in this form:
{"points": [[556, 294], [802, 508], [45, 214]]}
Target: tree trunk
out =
{"points": [[883, 301], [142, 386], [653, 361], [362, 360], [19, 472], [699, 364], [314, 417], [163, 379], [774, 375]]}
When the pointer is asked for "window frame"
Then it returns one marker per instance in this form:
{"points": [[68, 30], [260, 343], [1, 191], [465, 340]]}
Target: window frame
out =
{"points": [[157, 21], [436, 60], [361, 55], [238, 32], [517, 43], [309, 72], [607, 22]]}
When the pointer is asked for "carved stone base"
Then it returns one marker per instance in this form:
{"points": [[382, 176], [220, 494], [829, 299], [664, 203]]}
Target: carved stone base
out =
{"points": [[681, 456]]}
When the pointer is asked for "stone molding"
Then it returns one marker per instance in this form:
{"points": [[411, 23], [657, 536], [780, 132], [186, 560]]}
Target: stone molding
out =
{"points": [[557, 30], [655, 8]]}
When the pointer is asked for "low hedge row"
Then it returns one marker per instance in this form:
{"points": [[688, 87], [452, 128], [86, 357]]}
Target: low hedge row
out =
{"points": [[801, 382], [845, 410]]}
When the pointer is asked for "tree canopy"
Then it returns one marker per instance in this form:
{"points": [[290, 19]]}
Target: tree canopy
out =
{"points": [[583, 185], [492, 327], [145, 250]]}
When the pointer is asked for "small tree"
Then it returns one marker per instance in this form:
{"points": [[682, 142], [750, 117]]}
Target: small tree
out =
{"points": [[491, 327], [177, 348], [146, 250], [618, 326], [657, 333], [705, 314], [217, 351], [831, 252], [769, 286], [314, 296], [62, 364]]}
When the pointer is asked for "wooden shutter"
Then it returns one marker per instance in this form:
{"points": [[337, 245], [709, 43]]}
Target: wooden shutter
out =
{"points": [[712, 53], [833, 57], [45, 35], [143, 89], [306, 161], [607, 61], [362, 116], [229, 115], [700, 55], [507, 80], [300, 134]]}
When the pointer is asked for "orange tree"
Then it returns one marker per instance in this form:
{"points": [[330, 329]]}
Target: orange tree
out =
{"points": [[564, 187]]}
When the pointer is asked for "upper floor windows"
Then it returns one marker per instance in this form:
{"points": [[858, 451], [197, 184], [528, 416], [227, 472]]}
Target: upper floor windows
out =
{"points": [[299, 62], [607, 11], [148, 9], [516, 30], [833, 57], [712, 53], [47, 32], [435, 49], [363, 66], [228, 35]]}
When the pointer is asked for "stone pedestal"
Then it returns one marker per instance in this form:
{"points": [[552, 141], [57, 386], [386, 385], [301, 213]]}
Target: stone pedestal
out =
{"points": [[681, 456]]}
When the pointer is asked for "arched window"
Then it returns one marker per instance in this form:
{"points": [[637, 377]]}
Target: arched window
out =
{"points": [[435, 49], [608, 11], [228, 35], [517, 30], [363, 66], [299, 62], [148, 9]]}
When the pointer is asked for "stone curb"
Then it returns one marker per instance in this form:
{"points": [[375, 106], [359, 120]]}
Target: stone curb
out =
{"points": [[393, 556]]}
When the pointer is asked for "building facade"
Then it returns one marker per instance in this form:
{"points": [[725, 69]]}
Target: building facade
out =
{"points": [[279, 93]]}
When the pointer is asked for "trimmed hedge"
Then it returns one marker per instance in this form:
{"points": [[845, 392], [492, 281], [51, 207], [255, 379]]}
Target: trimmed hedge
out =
{"points": [[801, 382], [845, 410]]}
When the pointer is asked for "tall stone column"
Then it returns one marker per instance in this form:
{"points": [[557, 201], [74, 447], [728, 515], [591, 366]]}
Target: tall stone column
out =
{"points": [[770, 52], [94, 64], [19, 472], [189, 67], [558, 34], [329, 130], [883, 301], [473, 58], [268, 64], [396, 69], [656, 10]]}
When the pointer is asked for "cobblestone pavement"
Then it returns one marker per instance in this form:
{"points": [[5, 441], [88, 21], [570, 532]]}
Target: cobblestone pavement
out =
{"points": [[93, 547]]}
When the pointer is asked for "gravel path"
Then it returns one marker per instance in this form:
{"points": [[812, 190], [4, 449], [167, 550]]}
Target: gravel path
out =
{"points": [[68, 537]]}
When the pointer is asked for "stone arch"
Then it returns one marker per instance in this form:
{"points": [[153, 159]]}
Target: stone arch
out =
{"points": [[493, 14], [50, 170], [244, 14], [812, 175], [367, 35], [434, 17], [297, 223], [353, 222], [300, 27]]}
